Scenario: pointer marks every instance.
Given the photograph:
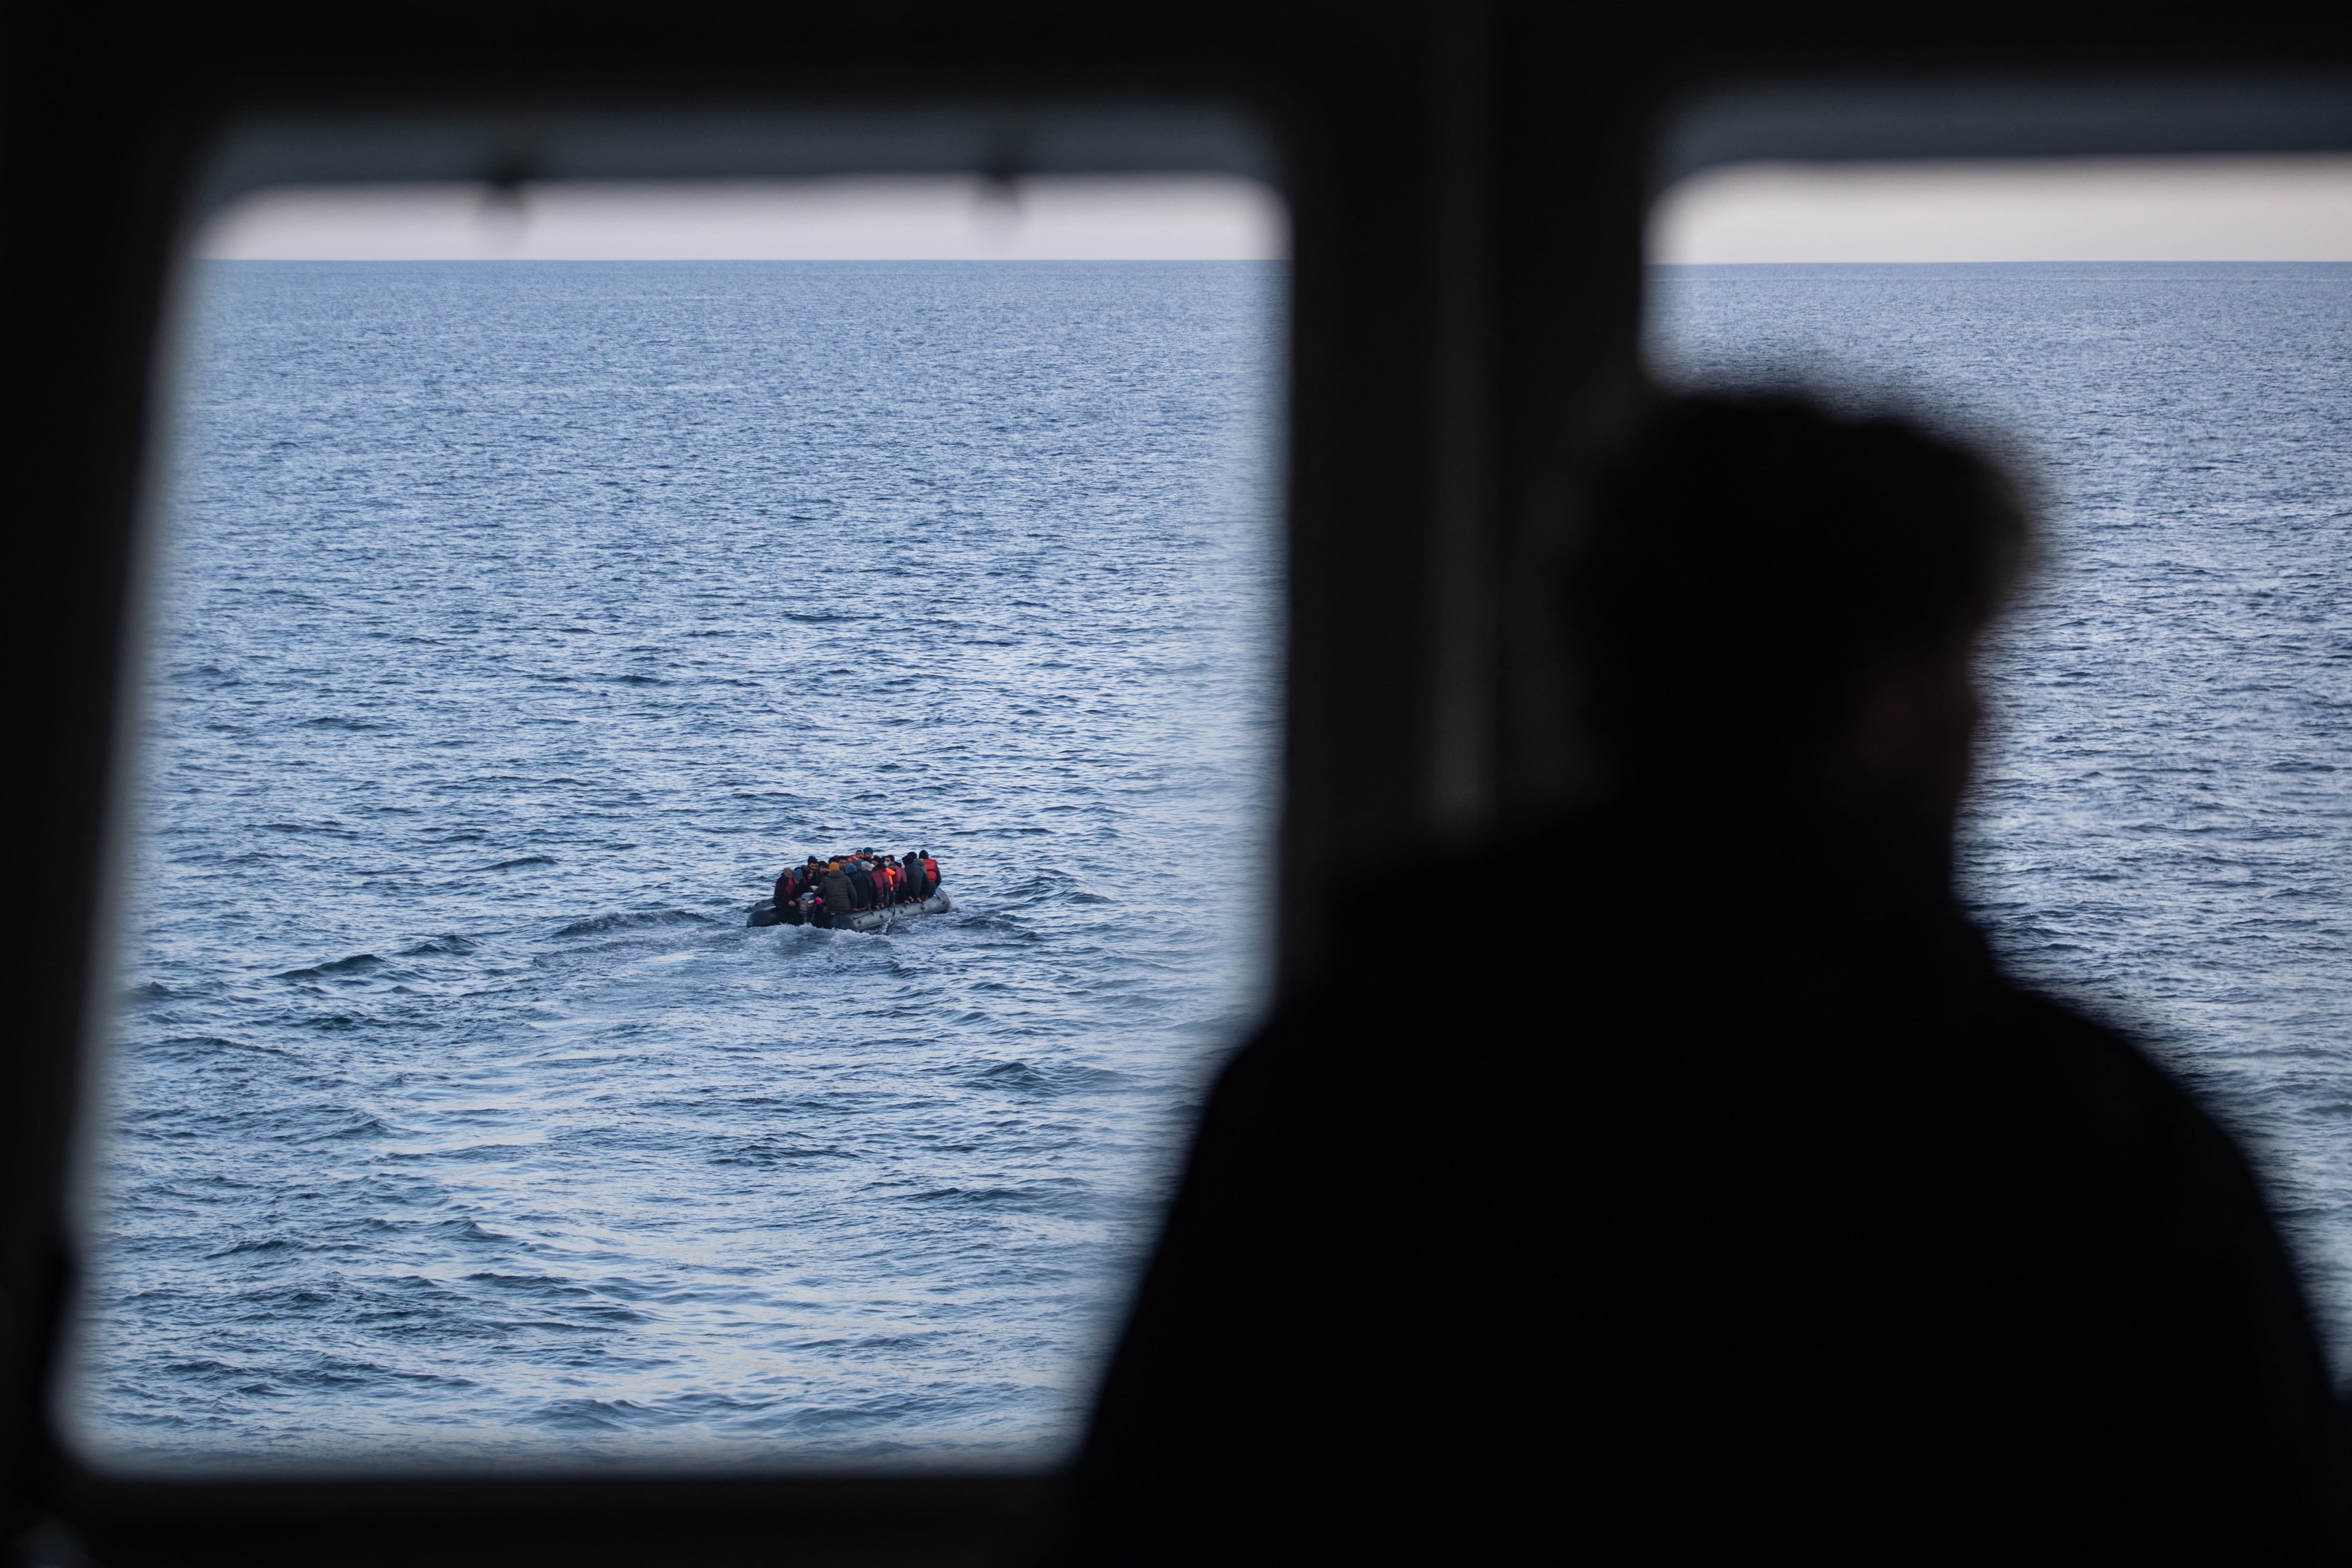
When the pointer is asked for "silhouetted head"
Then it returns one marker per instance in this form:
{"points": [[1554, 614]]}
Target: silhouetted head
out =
{"points": [[1767, 596]]}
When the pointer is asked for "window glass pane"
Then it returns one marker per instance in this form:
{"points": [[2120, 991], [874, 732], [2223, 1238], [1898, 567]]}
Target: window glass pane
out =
{"points": [[2162, 827], [518, 620]]}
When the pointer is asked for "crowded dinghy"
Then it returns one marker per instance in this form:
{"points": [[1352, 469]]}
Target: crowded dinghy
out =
{"points": [[856, 892]]}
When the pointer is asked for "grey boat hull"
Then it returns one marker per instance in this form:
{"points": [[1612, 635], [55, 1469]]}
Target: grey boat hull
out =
{"points": [[764, 914], [874, 919]]}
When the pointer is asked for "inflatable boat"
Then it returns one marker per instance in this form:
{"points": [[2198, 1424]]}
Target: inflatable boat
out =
{"points": [[765, 913]]}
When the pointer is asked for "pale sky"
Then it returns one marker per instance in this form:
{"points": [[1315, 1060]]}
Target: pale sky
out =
{"points": [[2239, 208], [1154, 217], [2262, 208]]}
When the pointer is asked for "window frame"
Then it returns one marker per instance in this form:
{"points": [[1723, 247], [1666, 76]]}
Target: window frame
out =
{"points": [[1467, 187]]}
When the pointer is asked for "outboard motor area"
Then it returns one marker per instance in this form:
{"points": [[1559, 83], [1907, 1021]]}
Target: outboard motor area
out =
{"points": [[858, 891]]}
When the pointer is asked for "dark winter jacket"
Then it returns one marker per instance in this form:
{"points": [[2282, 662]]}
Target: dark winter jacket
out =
{"points": [[1774, 1215]]}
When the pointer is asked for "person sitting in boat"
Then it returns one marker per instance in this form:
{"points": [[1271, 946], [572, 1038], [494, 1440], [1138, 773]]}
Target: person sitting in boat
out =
{"points": [[791, 883], [839, 895], [918, 886], [930, 870], [862, 890]]}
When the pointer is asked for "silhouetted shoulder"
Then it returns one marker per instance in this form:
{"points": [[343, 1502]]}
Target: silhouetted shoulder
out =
{"points": [[2201, 1292], [2136, 1122]]}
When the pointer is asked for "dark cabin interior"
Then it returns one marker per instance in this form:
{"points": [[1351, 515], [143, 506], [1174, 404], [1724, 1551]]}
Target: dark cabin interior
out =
{"points": [[1468, 184]]}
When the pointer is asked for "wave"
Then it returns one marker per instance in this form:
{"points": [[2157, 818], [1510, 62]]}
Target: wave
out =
{"points": [[555, 1284], [1021, 1078], [357, 963], [357, 1125], [453, 946], [597, 924], [978, 1196], [181, 1045], [599, 1416]]}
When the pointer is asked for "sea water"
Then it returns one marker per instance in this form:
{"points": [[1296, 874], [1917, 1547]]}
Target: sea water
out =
{"points": [[2162, 830], [516, 623]]}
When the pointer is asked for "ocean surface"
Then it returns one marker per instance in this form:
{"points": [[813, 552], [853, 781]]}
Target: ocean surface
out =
{"points": [[517, 621], [2162, 830]]}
